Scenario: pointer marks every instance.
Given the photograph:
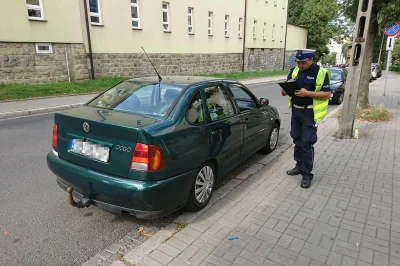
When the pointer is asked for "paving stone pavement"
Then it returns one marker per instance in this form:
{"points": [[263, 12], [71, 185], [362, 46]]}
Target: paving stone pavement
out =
{"points": [[350, 215]]}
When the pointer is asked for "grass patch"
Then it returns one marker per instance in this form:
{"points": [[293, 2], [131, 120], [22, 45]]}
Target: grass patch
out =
{"points": [[371, 114], [26, 91], [247, 75]]}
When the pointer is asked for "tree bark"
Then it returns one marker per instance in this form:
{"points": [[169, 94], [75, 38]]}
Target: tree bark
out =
{"points": [[363, 91]]}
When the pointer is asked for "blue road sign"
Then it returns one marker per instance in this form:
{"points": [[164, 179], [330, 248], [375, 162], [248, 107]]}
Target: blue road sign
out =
{"points": [[392, 29]]}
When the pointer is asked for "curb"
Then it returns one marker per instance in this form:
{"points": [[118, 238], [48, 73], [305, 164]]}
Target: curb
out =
{"points": [[43, 110], [37, 111]]}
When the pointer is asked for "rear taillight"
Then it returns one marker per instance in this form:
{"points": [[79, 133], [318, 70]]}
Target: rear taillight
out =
{"points": [[148, 158], [55, 145]]}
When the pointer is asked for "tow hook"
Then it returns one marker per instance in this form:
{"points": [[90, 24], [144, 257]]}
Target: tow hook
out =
{"points": [[83, 203]]}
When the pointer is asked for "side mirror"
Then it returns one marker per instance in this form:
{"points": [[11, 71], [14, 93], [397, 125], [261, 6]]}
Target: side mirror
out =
{"points": [[264, 101]]}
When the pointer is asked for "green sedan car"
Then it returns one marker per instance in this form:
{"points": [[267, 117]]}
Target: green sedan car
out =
{"points": [[149, 147]]}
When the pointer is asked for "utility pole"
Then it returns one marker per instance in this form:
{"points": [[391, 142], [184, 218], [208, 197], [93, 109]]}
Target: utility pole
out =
{"points": [[346, 122]]}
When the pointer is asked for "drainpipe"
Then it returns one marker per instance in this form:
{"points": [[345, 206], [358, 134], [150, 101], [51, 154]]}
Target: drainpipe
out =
{"points": [[89, 41], [244, 32], [284, 49]]}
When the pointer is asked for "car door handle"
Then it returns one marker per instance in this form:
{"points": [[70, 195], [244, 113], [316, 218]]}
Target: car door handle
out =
{"points": [[216, 132]]}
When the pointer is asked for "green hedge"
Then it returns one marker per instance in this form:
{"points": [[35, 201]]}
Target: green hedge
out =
{"points": [[395, 68]]}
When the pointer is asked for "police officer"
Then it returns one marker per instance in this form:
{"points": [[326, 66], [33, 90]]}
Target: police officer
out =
{"points": [[309, 106]]}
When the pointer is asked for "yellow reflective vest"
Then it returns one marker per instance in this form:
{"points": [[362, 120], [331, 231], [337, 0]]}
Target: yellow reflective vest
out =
{"points": [[320, 107]]}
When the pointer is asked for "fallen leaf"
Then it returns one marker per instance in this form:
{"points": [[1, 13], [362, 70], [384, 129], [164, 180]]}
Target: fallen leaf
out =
{"points": [[6, 232]]}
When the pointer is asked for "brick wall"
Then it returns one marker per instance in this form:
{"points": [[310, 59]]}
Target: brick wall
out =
{"points": [[137, 65], [19, 63]]}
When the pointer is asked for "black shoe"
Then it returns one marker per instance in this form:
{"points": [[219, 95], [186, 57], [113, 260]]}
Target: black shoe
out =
{"points": [[306, 182], [294, 171]]}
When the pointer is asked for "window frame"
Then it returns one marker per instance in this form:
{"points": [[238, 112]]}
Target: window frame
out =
{"points": [[273, 32], [210, 23], [167, 12], [138, 14], [226, 32], [94, 14], [240, 28], [281, 37], [35, 7], [265, 31], [254, 29], [191, 16], [50, 51], [283, 4]]}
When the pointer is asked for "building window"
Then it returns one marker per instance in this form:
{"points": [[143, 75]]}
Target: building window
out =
{"points": [[95, 17], [275, 2], [135, 14], [273, 32], [44, 48], [210, 23], [265, 31], [283, 4], [240, 27], [190, 20], [255, 29], [281, 33], [165, 9], [226, 25], [35, 9]]}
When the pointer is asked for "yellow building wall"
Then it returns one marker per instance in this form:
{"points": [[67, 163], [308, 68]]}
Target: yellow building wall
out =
{"points": [[296, 37], [117, 36], [270, 12], [62, 22]]}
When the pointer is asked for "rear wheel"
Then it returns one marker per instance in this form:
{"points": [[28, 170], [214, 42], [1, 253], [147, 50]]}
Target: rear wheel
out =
{"points": [[272, 140], [202, 188], [340, 98]]}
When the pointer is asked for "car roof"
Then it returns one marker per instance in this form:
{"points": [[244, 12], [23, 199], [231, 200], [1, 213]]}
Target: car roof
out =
{"points": [[178, 80]]}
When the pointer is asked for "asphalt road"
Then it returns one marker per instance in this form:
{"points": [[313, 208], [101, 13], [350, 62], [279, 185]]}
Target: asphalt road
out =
{"points": [[37, 226]]}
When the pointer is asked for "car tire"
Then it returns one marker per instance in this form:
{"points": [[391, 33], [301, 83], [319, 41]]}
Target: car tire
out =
{"points": [[202, 187], [340, 98], [272, 141]]}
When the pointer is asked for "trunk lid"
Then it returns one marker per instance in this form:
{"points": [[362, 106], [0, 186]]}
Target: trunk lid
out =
{"points": [[99, 139]]}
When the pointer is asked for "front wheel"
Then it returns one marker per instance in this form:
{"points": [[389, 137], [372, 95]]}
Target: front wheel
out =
{"points": [[340, 98], [202, 188], [272, 140]]}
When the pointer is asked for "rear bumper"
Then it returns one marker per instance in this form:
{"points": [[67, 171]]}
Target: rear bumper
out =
{"points": [[145, 200]]}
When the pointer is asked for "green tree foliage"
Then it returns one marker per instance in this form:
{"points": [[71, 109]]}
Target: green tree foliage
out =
{"points": [[317, 16], [329, 59]]}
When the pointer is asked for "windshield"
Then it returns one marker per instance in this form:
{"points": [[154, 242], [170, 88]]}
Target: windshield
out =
{"points": [[140, 98], [335, 74]]}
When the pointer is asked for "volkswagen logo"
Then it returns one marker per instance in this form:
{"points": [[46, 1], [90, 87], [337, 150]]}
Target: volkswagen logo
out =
{"points": [[86, 127]]}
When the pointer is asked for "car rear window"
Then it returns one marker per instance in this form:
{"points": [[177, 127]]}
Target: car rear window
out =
{"points": [[335, 74], [141, 98]]}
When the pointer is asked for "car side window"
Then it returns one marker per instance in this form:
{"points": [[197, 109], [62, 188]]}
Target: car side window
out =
{"points": [[218, 103], [195, 112], [243, 98]]}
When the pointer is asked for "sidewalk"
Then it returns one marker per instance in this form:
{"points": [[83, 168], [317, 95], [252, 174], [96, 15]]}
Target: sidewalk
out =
{"points": [[11, 109], [350, 215]]}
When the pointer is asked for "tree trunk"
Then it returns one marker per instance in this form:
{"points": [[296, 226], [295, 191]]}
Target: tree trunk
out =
{"points": [[363, 91]]}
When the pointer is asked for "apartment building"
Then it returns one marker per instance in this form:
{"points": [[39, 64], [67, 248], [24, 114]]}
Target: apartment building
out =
{"points": [[54, 40]]}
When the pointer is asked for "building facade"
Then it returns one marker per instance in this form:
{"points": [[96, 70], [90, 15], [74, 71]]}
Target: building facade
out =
{"points": [[57, 40]]}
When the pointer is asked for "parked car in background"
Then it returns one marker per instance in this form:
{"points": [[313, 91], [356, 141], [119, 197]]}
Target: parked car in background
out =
{"points": [[376, 71], [337, 84], [149, 148]]}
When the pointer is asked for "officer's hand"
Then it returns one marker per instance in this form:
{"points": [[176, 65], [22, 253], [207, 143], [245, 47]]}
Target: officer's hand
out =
{"points": [[302, 93]]}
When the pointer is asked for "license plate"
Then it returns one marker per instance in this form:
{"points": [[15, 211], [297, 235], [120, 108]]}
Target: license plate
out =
{"points": [[91, 150]]}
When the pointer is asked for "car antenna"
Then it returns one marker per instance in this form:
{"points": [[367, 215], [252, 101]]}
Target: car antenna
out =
{"points": [[159, 77]]}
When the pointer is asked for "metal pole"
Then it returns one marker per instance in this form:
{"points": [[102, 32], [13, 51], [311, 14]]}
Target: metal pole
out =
{"points": [[89, 41], [244, 34], [389, 55], [66, 58], [380, 51]]}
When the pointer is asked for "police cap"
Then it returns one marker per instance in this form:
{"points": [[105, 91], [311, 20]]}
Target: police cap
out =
{"points": [[303, 54]]}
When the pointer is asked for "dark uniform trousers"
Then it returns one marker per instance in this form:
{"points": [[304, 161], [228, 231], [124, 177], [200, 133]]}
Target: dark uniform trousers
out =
{"points": [[304, 134]]}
